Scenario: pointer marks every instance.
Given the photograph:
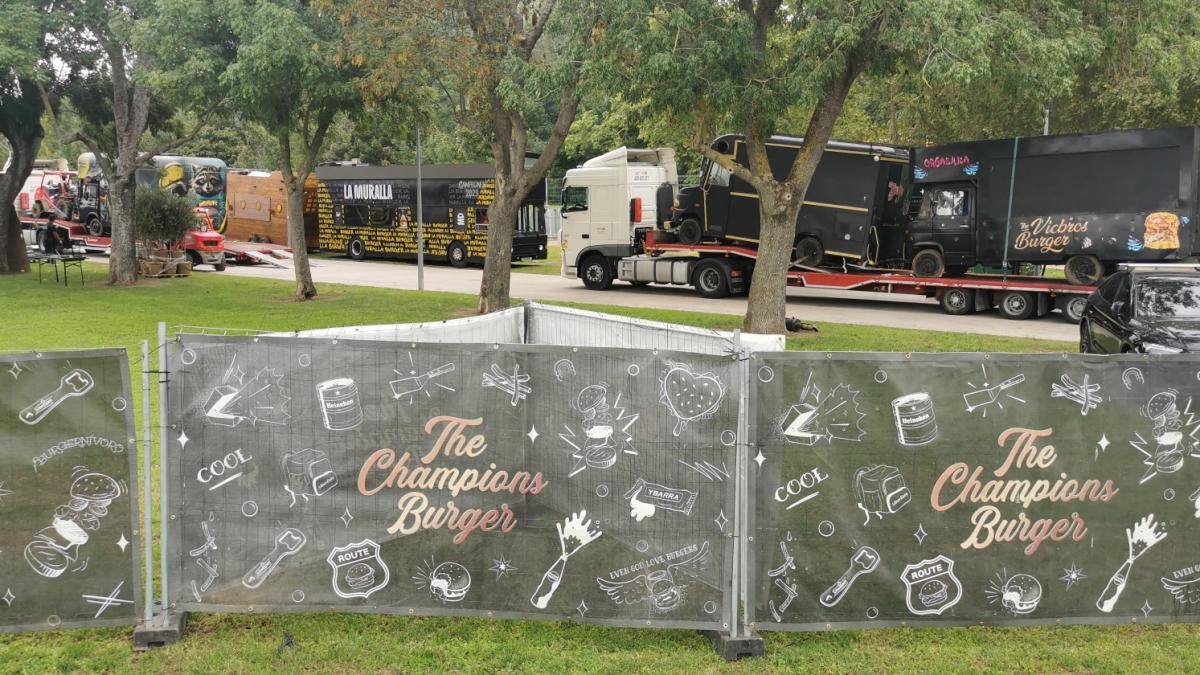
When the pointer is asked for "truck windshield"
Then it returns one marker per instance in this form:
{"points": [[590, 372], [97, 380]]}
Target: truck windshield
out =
{"points": [[717, 175], [574, 199], [1168, 297]]}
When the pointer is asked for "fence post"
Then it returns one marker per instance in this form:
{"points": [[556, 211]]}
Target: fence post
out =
{"points": [[168, 629], [739, 642], [147, 491]]}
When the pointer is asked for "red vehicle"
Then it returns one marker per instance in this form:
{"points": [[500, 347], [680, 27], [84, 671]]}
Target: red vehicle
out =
{"points": [[203, 245], [51, 194]]}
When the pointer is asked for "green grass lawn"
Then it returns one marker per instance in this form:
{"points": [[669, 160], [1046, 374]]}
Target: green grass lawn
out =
{"points": [[47, 317]]}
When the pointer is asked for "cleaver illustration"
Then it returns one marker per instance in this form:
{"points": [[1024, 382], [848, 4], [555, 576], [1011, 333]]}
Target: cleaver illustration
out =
{"points": [[982, 397], [75, 383], [411, 385]]}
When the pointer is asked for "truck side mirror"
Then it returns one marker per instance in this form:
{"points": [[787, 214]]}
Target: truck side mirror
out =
{"points": [[635, 210]]}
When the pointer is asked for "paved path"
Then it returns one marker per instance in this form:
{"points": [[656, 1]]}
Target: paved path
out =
{"points": [[849, 307]]}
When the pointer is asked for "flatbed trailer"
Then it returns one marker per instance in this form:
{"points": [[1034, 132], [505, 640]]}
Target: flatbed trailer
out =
{"points": [[717, 270]]}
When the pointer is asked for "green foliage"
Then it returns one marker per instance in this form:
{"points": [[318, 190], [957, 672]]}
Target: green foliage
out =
{"points": [[161, 216], [22, 30]]}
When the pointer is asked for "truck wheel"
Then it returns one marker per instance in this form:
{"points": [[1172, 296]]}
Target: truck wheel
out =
{"points": [[1084, 270], [958, 301], [928, 263], [194, 258], [596, 273], [689, 231], [808, 252], [94, 227], [457, 253], [220, 267], [711, 279], [356, 249], [1072, 307], [1016, 305]]}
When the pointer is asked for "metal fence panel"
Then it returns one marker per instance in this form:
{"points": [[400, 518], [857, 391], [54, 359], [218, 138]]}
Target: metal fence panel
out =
{"points": [[488, 480], [68, 494], [963, 489]]}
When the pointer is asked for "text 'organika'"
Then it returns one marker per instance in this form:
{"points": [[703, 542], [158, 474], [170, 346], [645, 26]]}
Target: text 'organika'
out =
{"points": [[367, 191]]}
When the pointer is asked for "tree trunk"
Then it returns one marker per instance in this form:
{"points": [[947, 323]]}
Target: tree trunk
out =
{"points": [[766, 308], [12, 246], [497, 269], [305, 289], [122, 258], [293, 182]]}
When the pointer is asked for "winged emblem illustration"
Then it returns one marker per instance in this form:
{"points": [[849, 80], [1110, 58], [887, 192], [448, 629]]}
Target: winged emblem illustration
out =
{"points": [[1186, 591], [664, 589]]}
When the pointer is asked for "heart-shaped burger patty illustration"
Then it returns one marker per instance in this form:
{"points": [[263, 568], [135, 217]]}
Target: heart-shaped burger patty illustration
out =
{"points": [[690, 396]]}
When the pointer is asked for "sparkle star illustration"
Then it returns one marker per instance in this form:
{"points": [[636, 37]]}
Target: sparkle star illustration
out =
{"points": [[502, 568], [533, 434], [1072, 575], [16, 370], [183, 439], [1146, 608], [122, 542], [582, 608], [920, 534], [346, 517], [8, 597], [721, 520], [4, 492], [1101, 445], [760, 459]]}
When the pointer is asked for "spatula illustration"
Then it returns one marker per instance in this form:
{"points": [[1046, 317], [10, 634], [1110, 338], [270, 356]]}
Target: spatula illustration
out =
{"points": [[979, 398]]}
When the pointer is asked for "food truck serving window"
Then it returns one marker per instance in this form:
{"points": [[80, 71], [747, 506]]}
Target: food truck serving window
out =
{"points": [[951, 203], [361, 215]]}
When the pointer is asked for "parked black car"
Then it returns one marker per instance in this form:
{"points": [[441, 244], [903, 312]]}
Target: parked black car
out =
{"points": [[1151, 309]]}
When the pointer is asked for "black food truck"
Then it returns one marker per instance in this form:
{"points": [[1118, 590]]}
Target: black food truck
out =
{"points": [[1088, 201], [371, 211], [854, 203]]}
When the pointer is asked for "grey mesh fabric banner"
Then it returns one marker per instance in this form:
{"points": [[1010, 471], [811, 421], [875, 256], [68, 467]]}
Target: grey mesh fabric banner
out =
{"points": [[68, 554], [505, 481], [954, 489]]}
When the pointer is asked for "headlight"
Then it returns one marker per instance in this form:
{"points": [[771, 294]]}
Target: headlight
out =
{"points": [[1155, 348]]}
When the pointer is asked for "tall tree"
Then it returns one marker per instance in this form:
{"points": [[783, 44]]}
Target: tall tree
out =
{"points": [[293, 76], [23, 75], [758, 61], [120, 44], [510, 78]]}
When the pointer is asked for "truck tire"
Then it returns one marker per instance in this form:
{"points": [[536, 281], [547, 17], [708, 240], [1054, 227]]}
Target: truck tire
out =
{"points": [[1072, 307], [711, 279], [220, 267], [808, 252], [928, 264], [689, 231], [195, 259], [456, 253], [356, 249], [958, 301], [1084, 270], [596, 272], [94, 227], [1016, 305]]}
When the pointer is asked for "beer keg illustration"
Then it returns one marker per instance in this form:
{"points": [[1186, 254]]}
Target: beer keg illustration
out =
{"points": [[915, 423], [340, 407]]}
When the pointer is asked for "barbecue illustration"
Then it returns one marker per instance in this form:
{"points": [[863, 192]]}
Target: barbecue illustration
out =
{"points": [[573, 534], [690, 396], [864, 561], [56, 548], [664, 589], [75, 383], [1144, 535], [287, 543]]}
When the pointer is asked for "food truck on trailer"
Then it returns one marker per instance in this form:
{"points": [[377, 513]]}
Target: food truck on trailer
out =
{"points": [[615, 227], [371, 212], [1087, 201], [200, 179]]}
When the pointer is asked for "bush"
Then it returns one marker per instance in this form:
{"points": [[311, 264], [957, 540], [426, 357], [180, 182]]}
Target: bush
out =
{"points": [[161, 217]]}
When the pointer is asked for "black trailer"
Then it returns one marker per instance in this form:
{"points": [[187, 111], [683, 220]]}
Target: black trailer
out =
{"points": [[371, 211], [855, 203], [1089, 201]]}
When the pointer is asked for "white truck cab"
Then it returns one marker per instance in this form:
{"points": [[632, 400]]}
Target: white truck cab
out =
{"points": [[604, 204]]}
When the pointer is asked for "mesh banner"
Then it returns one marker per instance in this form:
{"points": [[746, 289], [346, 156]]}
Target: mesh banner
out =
{"points": [[68, 552], [505, 481], [954, 489]]}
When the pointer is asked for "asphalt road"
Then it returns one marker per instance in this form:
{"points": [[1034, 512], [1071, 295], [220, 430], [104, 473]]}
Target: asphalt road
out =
{"points": [[850, 307]]}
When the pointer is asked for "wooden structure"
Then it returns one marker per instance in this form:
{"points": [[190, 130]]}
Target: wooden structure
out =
{"points": [[257, 209]]}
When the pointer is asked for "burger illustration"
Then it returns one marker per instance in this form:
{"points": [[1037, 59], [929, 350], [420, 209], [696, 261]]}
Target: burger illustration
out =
{"points": [[933, 593], [54, 549], [360, 576], [1021, 594], [449, 582], [1162, 231]]}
